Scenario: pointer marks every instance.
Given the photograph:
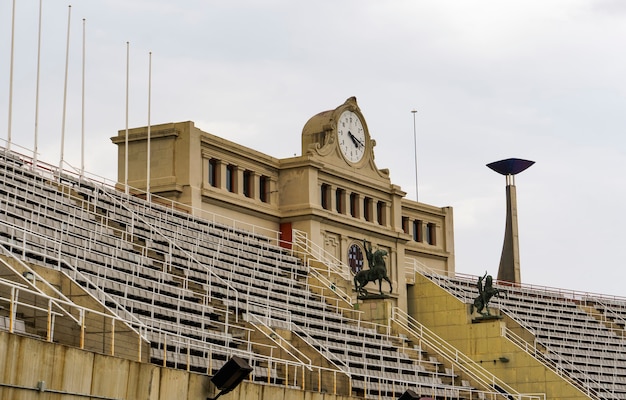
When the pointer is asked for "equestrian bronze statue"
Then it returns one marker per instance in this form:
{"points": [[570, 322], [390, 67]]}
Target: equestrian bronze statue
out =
{"points": [[485, 293], [377, 271]]}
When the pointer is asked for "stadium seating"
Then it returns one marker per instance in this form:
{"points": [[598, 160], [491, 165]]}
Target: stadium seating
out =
{"points": [[201, 291], [581, 335]]}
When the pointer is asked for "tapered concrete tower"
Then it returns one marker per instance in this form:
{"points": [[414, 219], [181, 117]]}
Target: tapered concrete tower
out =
{"points": [[509, 269]]}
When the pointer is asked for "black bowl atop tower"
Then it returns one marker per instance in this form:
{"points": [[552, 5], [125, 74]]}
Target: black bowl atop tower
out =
{"points": [[510, 166]]}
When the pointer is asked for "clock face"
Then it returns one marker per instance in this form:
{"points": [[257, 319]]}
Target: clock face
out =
{"points": [[355, 258], [351, 136]]}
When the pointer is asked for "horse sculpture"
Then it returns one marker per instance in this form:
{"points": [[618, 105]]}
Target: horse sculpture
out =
{"points": [[481, 302], [377, 271]]}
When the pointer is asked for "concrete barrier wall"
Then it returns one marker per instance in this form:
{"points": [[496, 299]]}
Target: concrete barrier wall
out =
{"points": [[71, 373]]}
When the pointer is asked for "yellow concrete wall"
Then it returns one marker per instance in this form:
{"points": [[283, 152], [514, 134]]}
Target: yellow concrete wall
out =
{"points": [[449, 318], [24, 362]]}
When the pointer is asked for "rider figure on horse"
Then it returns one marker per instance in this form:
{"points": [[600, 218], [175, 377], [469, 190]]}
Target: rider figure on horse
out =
{"points": [[377, 270], [485, 293]]}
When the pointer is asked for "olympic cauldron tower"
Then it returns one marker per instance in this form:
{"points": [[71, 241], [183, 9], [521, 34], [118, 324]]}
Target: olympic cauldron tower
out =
{"points": [[509, 269]]}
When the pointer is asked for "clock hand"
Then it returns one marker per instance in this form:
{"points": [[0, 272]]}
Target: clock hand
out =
{"points": [[354, 139]]}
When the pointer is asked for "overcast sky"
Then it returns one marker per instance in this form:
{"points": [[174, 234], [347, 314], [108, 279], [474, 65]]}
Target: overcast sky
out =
{"points": [[539, 80]]}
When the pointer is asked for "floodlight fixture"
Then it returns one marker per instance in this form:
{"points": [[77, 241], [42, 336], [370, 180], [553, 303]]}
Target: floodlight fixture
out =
{"points": [[230, 375], [409, 395]]}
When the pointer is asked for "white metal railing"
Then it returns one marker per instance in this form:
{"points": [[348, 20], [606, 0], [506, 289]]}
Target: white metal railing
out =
{"points": [[559, 364], [331, 288], [374, 383], [97, 240], [263, 325], [321, 348], [311, 249], [609, 311], [167, 336], [63, 239], [101, 296], [183, 251], [413, 266], [61, 315], [173, 208], [562, 368], [73, 174], [476, 372], [67, 245]]}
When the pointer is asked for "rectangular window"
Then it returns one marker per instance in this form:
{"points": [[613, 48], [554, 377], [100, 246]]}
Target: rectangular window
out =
{"points": [[381, 213], [354, 205], [417, 230], [431, 234], [340, 200], [405, 224], [213, 173], [367, 208], [248, 183], [264, 189], [325, 193], [231, 178]]}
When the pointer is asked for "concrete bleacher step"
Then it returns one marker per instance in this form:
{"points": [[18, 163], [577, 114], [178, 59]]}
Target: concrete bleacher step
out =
{"points": [[147, 267]]}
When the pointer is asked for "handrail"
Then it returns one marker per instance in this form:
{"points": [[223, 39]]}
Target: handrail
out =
{"points": [[185, 252], [453, 355], [129, 324], [334, 265], [546, 291], [279, 341], [537, 354], [207, 347], [609, 309], [272, 234], [59, 304], [52, 172], [323, 350], [37, 292], [67, 265], [36, 276], [312, 249], [337, 291], [440, 280]]}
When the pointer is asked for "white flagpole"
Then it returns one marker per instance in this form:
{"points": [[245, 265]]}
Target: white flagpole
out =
{"points": [[126, 139], [414, 111], [149, 101], [36, 147], [67, 58], [11, 77], [82, 125]]}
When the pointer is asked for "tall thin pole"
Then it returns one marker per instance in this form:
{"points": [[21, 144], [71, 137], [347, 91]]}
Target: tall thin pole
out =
{"points": [[11, 77], [67, 59], [126, 139], [149, 101], [415, 150], [82, 124], [36, 146]]}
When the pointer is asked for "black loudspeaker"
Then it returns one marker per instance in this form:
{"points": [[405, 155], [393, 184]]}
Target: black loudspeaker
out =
{"points": [[231, 374], [409, 395]]}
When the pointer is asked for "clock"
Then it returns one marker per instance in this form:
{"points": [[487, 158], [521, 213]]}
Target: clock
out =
{"points": [[351, 136], [355, 258]]}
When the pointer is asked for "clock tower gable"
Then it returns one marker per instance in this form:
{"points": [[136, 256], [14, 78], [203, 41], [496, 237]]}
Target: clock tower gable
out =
{"points": [[340, 139]]}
